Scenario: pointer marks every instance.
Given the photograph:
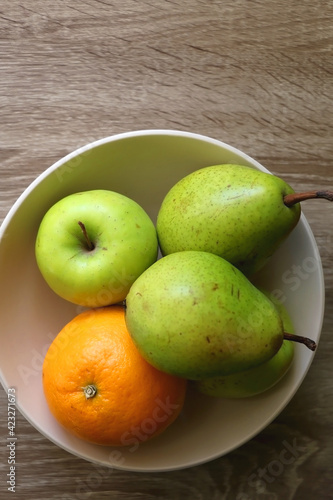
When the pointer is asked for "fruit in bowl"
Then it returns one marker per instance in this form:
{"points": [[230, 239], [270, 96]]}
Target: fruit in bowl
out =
{"points": [[100, 388], [195, 315], [143, 166], [91, 246], [233, 211]]}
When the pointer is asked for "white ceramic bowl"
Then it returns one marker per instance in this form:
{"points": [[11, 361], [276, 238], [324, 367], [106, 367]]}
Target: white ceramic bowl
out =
{"points": [[142, 165]]}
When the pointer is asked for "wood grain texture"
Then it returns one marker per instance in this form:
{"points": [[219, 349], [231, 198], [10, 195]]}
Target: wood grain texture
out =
{"points": [[255, 74]]}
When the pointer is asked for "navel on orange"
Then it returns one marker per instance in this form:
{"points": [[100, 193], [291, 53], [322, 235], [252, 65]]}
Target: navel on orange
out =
{"points": [[99, 387]]}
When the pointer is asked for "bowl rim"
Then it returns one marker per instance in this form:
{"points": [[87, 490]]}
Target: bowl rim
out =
{"points": [[116, 137]]}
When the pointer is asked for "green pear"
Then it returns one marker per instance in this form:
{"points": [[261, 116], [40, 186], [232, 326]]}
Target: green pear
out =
{"points": [[195, 315], [237, 212], [258, 379]]}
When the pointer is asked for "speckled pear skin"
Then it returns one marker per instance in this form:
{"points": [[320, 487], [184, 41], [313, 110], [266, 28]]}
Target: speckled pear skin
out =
{"points": [[233, 211], [259, 379], [194, 315]]}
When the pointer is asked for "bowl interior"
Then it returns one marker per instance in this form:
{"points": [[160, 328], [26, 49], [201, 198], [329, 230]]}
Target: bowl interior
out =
{"points": [[142, 165]]}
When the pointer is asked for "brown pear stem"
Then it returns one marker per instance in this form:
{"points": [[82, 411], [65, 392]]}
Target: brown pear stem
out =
{"points": [[90, 245], [293, 198], [310, 344]]}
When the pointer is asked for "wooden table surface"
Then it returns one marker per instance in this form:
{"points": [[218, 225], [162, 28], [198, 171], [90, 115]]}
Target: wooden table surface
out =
{"points": [[255, 74]]}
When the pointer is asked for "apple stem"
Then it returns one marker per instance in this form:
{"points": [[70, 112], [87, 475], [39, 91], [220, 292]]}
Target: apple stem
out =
{"points": [[310, 344], [293, 198], [90, 245]]}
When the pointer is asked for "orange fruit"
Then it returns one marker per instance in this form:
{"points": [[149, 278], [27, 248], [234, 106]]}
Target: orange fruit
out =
{"points": [[99, 387]]}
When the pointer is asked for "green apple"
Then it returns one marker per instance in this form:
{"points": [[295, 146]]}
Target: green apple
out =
{"points": [[92, 245]]}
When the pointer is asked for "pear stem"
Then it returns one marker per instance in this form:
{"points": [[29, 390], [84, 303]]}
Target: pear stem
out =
{"points": [[293, 198], [90, 245], [310, 344]]}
